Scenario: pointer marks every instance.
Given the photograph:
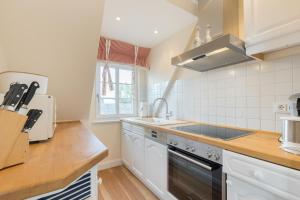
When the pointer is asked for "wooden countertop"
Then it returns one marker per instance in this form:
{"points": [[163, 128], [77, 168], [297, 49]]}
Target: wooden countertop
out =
{"points": [[263, 145], [53, 164]]}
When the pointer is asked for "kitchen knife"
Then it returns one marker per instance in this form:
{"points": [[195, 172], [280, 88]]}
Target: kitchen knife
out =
{"points": [[22, 107], [8, 94], [15, 96], [33, 116]]}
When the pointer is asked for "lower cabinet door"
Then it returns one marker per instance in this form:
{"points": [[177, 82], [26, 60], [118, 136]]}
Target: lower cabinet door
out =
{"points": [[138, 156], [240, 190], [126, 148], [156, 167]]}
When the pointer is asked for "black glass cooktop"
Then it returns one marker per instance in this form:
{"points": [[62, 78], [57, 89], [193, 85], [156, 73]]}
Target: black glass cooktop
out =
{"points": [[214, 131]]}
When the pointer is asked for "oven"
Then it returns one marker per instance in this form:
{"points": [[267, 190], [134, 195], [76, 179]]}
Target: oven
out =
{"points": [[193, 177]]}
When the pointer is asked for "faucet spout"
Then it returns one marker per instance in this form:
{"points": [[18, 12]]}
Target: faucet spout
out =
{"points": [[168, 114]]}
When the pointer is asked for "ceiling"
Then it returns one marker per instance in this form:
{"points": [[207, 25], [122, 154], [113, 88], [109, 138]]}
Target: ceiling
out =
{"points": [[140, 18]]}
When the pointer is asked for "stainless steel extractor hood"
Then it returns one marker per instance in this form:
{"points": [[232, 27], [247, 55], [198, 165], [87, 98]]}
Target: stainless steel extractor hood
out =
{"points": [[223, 51]]}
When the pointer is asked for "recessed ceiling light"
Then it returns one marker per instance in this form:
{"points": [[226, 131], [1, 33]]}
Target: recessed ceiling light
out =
{"points": [[155, 32], [118, 18]]}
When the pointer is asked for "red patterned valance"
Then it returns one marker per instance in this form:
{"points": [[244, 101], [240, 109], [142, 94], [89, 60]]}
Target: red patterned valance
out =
{"points": [[123, 52]]}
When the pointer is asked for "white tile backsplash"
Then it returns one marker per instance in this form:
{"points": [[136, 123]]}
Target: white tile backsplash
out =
{"points": [[242, 95], [268, 125], [296, 87], [283, 76]]}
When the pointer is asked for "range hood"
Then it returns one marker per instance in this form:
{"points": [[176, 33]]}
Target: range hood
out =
{"points": [[223, 51]]}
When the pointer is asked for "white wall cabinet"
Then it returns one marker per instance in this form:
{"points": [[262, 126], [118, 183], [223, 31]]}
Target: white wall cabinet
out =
{"points": [[271, 25], [156, 167], [252, 179]]}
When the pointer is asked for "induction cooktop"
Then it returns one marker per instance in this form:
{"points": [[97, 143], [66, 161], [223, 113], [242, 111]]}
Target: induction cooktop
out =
{"points": [[214, 131]]}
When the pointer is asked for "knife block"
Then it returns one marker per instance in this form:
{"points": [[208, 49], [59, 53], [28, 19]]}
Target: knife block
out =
{"points": [[14, 144]]}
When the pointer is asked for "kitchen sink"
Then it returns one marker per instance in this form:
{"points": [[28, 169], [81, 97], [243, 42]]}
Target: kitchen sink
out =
{"points": [[158, 121]]}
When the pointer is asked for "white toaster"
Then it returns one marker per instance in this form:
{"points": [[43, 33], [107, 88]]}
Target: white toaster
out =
{"points": [[45, 126]]}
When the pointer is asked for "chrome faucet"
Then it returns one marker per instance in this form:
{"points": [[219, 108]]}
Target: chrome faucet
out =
{"points": [[168, 114]]}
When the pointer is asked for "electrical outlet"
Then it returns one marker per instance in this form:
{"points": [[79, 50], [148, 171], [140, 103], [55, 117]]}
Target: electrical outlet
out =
{"points": [[281, 108]]}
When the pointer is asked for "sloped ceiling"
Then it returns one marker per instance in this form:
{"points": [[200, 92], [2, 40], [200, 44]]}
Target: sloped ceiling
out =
{"points": [[58, 39], [139, 19]]}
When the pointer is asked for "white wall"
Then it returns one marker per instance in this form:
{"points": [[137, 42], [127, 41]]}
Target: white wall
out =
{"points": [[58, 39], [159, 58], [3, 66]]}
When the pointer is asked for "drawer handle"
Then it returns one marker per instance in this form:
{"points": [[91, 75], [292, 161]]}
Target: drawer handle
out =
{"points": [[258, 175]]}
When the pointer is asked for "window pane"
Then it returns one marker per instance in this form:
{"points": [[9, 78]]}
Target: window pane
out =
{"points": [[112, 73], [126, 106], [125, 76], [125, 91], [109, 93], [108, 106]]}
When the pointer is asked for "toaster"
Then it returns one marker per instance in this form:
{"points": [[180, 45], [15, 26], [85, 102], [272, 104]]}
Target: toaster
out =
{"points": [[45, 126], [290, 138]]}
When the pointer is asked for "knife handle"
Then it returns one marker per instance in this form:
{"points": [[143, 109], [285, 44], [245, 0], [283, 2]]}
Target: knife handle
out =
{"points": [[33, 116], [27, 97], [16, 95], [8, 93], [31, 91]]}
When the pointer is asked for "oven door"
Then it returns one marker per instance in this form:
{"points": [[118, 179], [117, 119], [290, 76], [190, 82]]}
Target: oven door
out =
{"points": [[193, 178]]}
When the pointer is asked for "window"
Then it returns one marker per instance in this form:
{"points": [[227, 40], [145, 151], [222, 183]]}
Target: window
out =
{"points": [[122, 100]]}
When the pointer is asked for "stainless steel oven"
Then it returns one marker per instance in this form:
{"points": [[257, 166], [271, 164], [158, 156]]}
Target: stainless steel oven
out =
{"points": [[192, 176]]}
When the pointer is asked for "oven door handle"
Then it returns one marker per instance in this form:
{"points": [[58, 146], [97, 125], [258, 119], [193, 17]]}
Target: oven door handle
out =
{"points": [[191, 160]]}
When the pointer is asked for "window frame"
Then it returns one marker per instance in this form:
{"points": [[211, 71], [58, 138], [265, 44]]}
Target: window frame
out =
{"points": [[98, 114]]}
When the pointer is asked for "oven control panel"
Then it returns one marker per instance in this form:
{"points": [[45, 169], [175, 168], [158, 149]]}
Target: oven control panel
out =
{"points": [[203, 150]]}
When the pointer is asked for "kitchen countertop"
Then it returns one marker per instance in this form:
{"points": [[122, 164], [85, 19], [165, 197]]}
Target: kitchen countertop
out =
{"points": [[262, 145], [53, 164]]}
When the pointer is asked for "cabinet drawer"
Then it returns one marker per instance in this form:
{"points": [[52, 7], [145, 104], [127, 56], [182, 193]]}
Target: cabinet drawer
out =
{"points": [[126, 126], [138, 129], [279, 180], [134, 128], [239, 190]]}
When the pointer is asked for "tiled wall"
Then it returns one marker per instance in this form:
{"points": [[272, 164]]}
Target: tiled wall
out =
{"points": [[242, 95]]}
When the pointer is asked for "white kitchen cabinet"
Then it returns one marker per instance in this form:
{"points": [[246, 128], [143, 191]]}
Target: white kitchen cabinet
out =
{"points": [[133, 151], [252, 179], [138, 155], [126, 147], [239, 190], [146, 158], [156, 167], [271, 25]]}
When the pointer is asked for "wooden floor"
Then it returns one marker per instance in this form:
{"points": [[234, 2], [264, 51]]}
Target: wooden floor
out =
{"points": [[120, 184]]}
